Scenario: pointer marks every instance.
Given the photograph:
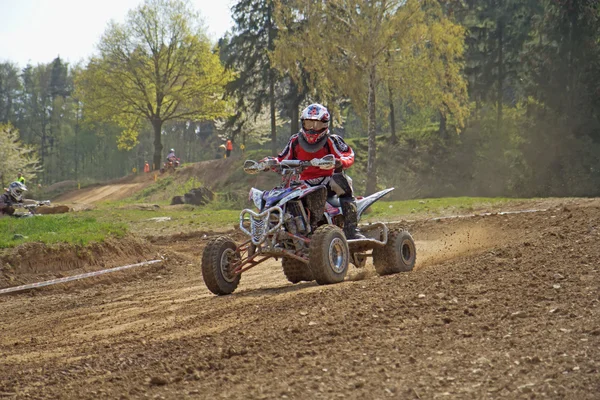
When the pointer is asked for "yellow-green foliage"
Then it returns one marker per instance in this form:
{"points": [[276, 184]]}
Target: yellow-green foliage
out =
{"points": [[158, 66], [410, 46], [352, 47], [15, 157]]}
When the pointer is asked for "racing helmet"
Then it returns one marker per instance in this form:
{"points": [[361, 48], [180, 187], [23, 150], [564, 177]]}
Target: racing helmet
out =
{"points": [[172, 150], [314, 126], [16, 190]]}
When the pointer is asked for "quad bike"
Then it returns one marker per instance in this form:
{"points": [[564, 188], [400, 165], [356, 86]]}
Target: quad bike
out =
{"points": [[29, 208], [171, 164], [281, 229]]}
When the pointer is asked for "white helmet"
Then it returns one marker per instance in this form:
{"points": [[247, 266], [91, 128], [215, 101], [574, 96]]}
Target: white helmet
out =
{"points": [[315, 127], [172, 150], [16, 190]]}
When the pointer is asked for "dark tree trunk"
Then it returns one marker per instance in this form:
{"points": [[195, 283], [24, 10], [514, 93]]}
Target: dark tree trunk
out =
{"points": [[500, 73], [158, 147], [372, 160], [443, 132], [392, 115], [271, 46], [77, 154], [295, 117], [273, 123]]}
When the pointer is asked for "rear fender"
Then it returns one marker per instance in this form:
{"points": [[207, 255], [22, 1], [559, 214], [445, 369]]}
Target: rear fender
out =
{"points": [[366, 202]]}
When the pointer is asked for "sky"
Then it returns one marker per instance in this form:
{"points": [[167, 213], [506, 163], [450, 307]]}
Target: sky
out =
{"points": [[37, 31]]}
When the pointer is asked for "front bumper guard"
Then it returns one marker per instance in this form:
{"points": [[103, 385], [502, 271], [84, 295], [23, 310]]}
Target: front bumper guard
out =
{"points": [[260, 223]]}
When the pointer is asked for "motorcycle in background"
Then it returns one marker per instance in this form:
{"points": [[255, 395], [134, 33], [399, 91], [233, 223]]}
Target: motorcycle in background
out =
{"points": [[170, 165], [30, 209]]}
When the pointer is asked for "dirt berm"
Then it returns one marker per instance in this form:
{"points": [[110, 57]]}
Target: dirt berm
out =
{"points": [[36, 262], [501, 306]]}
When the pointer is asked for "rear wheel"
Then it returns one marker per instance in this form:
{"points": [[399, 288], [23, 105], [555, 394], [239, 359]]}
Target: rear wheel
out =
{"points": [[398, 255], [296, 271], [329, 255], [218, 262]]}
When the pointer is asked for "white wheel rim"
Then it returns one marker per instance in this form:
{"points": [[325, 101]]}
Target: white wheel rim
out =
{"points": [[226, 259], [337, 255], [407, 251]]}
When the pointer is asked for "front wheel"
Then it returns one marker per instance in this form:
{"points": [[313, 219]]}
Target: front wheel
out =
{"points": [[329, 255], [218, 262], [398, 255]]}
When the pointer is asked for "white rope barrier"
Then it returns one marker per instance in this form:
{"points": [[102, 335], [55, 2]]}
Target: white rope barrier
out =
{"points": [[74, 277]]}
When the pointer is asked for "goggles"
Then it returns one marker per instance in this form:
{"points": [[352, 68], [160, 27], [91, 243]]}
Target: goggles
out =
{"points": [[314, 125]]}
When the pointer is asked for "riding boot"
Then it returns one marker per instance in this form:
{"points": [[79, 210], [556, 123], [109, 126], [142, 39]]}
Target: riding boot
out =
{"points": [[315, 202], [350, 218]]}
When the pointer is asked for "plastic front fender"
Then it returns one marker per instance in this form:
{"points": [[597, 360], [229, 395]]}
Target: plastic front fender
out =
{"points": [[256, 196]]}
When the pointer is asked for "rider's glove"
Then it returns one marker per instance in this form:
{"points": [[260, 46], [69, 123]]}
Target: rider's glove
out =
{"points": [[338, 165], [269, 162]]}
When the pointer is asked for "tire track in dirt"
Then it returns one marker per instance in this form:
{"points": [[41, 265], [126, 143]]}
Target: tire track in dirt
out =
{"points": [[102, 193]]}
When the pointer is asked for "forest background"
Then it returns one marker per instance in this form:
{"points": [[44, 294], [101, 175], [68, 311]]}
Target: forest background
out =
{"points": [[437, 97]]}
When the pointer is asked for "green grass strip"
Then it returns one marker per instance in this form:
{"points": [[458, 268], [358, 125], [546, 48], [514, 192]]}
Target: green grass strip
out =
{"points": [[66, 228]]}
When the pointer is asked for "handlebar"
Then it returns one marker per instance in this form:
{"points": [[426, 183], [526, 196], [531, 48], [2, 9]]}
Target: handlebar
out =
{"points": [[253, 167], [34, 205]]}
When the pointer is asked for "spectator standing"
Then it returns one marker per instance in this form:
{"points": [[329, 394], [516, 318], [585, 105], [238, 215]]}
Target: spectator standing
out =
{"points": [[228, 148]]}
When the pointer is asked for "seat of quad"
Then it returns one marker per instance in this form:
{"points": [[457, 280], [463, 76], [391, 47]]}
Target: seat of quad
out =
{"points": [[334, 201]]}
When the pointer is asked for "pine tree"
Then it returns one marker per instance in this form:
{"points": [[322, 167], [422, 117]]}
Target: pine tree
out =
{"points": [[10, 87], [247, 52]]}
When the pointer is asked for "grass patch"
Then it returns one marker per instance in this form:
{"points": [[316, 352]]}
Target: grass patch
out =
{"points": [[224, 215], [88, 226], [67, 228], [169, 220], [159, 187]]}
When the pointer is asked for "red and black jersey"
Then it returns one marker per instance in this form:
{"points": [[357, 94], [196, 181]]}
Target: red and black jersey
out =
{"points": [[334, 145]]}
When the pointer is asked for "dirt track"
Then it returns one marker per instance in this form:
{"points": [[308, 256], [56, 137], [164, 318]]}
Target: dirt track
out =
{"points": [[499, 307]]}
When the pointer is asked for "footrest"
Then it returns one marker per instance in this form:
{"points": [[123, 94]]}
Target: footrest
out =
{"points": [[376, 236]]}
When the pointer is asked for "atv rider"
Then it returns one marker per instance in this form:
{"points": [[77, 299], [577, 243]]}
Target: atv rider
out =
{"points": [[171, 156], [12, 196], [315, 141]]}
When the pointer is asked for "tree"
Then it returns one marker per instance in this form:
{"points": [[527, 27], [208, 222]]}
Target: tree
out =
{"points": [[37, 108], [425, 69], [563, 60], [15, 157], [10, 88], [249, 127], [157, 67], [354, 41], [247, 52], [497, 33]]}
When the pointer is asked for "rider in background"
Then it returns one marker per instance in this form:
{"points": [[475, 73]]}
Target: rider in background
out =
{"points": [[12, 196], [21, 178], [171, 156], [316, 141]]}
